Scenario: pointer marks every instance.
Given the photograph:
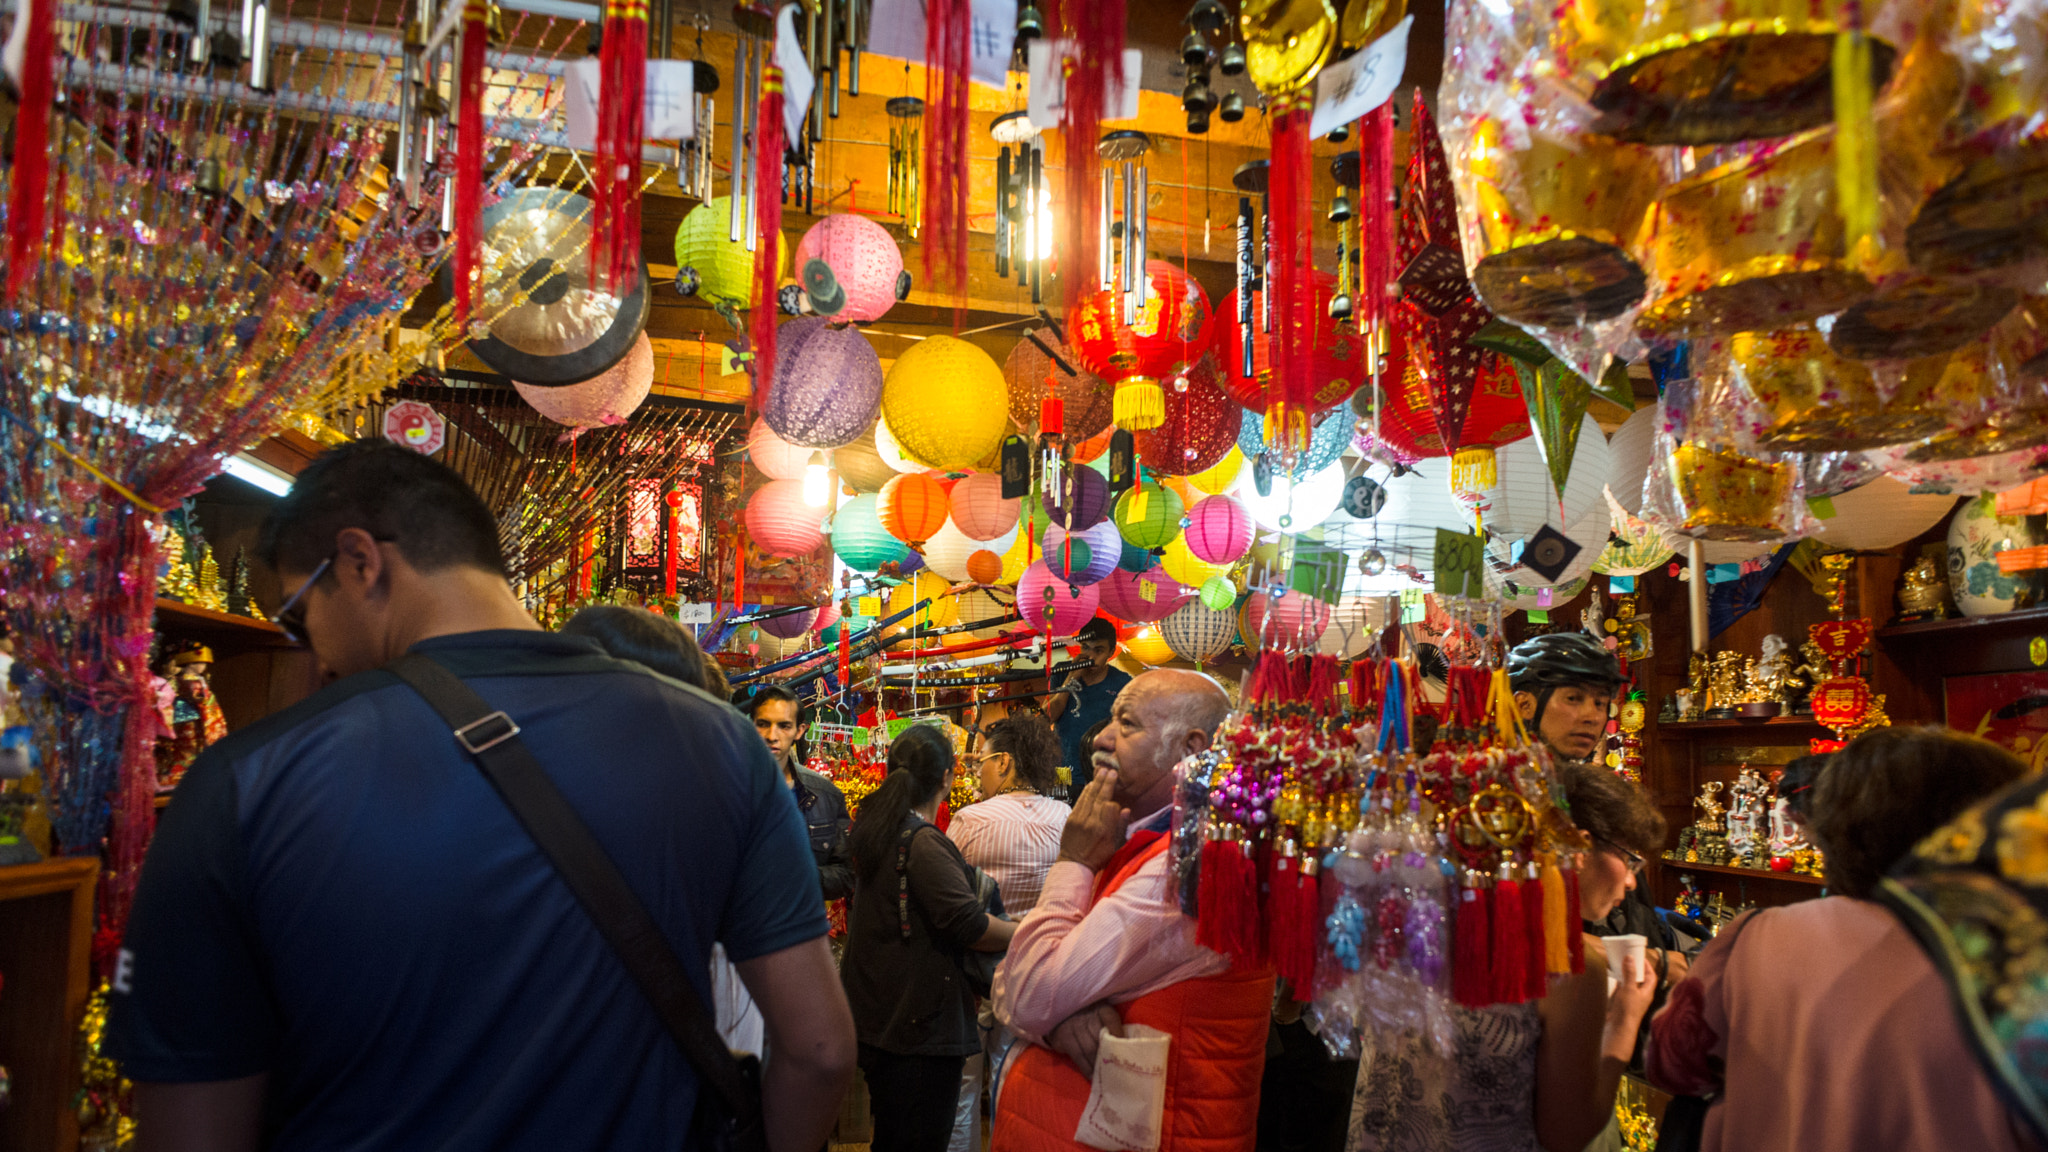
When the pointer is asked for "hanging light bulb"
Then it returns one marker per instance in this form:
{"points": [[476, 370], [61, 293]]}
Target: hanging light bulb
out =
{"points": [[817, 481]]}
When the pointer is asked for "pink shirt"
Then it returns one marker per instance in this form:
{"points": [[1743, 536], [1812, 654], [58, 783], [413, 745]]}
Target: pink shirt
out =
{"points": [[1073, 951], [1013, 837], [1832, 1032]]}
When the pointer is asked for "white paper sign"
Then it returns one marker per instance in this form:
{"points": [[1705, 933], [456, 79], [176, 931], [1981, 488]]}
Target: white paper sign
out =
{"points": [[1127, 1095], [896, 28], [1048, 97], [670, 105], [689, 613], [797, 81], [1350, 88]]}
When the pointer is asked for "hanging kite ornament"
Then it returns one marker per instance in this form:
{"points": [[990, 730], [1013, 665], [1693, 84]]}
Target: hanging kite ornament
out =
{"points": [[621, 120], [1023, 205]]}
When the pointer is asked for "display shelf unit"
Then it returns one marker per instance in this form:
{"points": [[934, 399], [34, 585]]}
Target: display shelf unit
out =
{"points": [[45, 957], [256, 671], [1677, 866], [1681, 727]]}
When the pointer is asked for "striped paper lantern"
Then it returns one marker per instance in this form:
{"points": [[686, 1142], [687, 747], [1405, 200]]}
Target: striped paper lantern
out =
{"points": [[1292, 620], [942, 611], [1219, 530], [790, 625], [1149, 515], [1050, 605], [828, 384], [1186, 567], [912, 507], [1148, 647], [776, 458], [1093, 557], [1198, 634], [979, 508]]}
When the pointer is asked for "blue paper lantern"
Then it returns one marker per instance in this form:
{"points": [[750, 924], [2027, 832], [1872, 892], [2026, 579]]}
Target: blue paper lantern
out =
{"points": [[860, 541]]}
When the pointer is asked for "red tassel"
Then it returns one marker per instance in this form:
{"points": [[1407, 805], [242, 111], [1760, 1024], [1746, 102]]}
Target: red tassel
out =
{"points": [[1290, 396], [1228, 905], [469, 157], [1510, 944], [1471, 935], [621, 124], [26, 196], [947, 26], [1536, 978], [1376, 216], [845, 648], [1096, 30], [1575, 933], [768, 148], [1294, 914]]}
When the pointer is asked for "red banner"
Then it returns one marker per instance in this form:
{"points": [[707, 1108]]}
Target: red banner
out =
{"points": [[1840, 703], [1841, 639]]}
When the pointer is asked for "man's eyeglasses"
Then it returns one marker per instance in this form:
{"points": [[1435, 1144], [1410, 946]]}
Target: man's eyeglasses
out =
{"points": [[1635, 863], [291, 616]]}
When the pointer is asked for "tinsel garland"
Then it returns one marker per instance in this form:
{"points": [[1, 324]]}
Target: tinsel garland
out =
{"points": [[28, 182], [768, 160], [621, 119], [947, 28], [469, 157]]}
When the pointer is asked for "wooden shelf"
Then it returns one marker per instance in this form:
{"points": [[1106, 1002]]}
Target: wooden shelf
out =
{"points": [[45, 950], [179, 613], [2024, 620], [1749, 873], [1739, 722]]}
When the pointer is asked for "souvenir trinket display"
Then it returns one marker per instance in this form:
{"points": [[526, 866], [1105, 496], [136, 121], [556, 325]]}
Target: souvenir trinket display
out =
{"points": [[1923, 591], [1626, 756], [1705, 841], [1775, 678], [191, 716], [1726, 692], [1748, 819], [1842, 700]]}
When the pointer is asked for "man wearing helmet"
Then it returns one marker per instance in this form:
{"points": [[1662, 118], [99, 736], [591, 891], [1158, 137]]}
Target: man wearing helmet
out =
{"points": [[1563, 684]]}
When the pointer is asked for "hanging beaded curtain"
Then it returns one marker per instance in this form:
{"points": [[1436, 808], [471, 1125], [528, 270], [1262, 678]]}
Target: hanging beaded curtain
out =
{"points": [[214, 257]]}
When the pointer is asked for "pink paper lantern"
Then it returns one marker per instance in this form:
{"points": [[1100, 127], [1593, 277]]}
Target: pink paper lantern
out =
{"points": [[777, 458], [1292, 620], [602, 400], [790, 625], [1071, 607], [979, 510], [1124, 596], [1219, 530], [781, 523], [828, 615], [864, 260]]}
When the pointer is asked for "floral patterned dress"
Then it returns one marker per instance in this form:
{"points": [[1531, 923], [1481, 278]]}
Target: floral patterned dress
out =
{"points": [[1479, 1098]]}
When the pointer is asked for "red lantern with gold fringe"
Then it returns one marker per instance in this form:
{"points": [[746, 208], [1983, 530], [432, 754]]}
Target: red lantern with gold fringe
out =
{"points": [[1137, 358], [1336, 353], [621, 124], [1095, 30], [1200, 427], [1290, 394]]}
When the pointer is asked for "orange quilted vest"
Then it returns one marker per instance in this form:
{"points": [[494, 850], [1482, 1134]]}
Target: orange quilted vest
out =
{"points": [[1218, 1054]]}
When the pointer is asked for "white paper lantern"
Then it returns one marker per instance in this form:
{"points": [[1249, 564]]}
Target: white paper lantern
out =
{"points": [[1628, 458], [1590, 534], [1198, 634], [1528, 499], [1294, 506], [775, 457], [1882, 514], [1354, 623], [892, 453]]}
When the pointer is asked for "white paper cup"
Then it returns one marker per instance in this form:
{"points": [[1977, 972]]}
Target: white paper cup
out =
{"points": [[1618, 947]]}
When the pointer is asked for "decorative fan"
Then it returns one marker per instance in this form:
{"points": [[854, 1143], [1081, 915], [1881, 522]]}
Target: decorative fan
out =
{"points": [[536, 243]]}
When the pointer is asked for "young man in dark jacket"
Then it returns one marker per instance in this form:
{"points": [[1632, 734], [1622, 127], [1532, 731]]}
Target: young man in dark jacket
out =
{"points": [[775, 713]]}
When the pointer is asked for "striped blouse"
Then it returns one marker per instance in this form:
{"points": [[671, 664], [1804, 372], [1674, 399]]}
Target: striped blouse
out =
{"points": [[1013, 837]]}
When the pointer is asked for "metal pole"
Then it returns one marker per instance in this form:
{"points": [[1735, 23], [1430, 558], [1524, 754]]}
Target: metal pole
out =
{"points": [[1696, 594]]}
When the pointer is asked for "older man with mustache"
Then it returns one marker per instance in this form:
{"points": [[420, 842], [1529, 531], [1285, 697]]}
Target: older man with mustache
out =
{"points": [[1107, 944]]}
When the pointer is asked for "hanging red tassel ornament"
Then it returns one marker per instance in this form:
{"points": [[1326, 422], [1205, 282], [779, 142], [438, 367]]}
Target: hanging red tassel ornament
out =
{"points": [[1575, 937], [1376, 220], [1290, 394], [1510, 943], [1095, 31], [1293, 902], [25, 206], [1471, 936], [768, 158], [1228, 906], [845, 646], [621, 124], [469, 157], [947, 26], [1535, 974]]}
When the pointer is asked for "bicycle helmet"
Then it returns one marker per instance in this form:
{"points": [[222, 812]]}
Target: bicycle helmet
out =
{"points": [[1555, 660]]}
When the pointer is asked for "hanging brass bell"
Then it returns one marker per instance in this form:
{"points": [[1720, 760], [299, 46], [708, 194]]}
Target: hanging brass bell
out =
{"points": [[1340, 306], [1208, 17], [1232, 60], [1340, 208], [1232, 109], [1030, 25], [1198, 122], [1197, 96], [206, 177], [1194, 51]]}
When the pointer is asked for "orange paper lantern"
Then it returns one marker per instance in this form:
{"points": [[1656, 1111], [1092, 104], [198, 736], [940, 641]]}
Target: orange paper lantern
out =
{"points": [[912, 507]]}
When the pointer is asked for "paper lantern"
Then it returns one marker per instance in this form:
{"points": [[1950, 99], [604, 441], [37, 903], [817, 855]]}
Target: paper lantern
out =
{"points": [[1137, 359], [984, 566], [1200, 426], [1355, 623], [1338, 366], [1882, 514], [828, 384], [912, 507], [1628, 458], [1148, 515], [945, 402], [1219, 593], [789, 625], [1496, 415], [979, 508], [709, 262], [1198, 634], [1290, 620], [940, 613], [892, 454], [763, 646], [780, 523], [947, 552], [1218, 479], [1141, 598], [775, 457], [827, 615], [1527, 497], [1052, 606], [1022, 551], [864, 262], [601, 401], [1184, 566], [1589, 532], [860, 465], [1331, 436], [1081, 501], [1033, 378], [1148, 647], [1137, 559], [1091, 449], [1093, 557], [860, 541], [1219, 530]]}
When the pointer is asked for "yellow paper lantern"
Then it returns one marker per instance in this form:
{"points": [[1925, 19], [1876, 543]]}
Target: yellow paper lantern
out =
{"points": [[1217, 479], [946, 403], [1149, 648], [978, 604], [1186, 567], [1017, 558], [926, 585]]}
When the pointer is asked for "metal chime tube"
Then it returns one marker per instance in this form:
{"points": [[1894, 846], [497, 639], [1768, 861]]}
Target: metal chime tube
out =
{"points": [[739, 138], [1143, 243], [404, 170], [854, 43], [755, 63], [248, 24], [812, 52], [259, 46], [1245, 282], [201, 48], [1004, 232], [1103, 232], [1265, 264], [828, 90], [1035, 244], [1133, 275]]}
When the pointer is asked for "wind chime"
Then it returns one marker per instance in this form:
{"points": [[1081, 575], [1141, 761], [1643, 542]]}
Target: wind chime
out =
{"points": [[695, 164], [906, 127], [1122, 237], [1253, 260], [1023, 203], [1344, 168], [1197, 99]]}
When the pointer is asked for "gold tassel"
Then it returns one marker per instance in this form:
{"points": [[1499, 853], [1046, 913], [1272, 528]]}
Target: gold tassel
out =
{"points": [[1557, 952], [1140, 403], [1855, 148], [1474, 470]]}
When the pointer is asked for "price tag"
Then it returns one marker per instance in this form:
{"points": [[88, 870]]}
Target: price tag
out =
{"points": [[693, 613], [1048, 60], [1350, 88], [1538, 616]]}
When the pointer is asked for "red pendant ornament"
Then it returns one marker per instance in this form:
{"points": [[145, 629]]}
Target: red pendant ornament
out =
{"points": [[947, 26], [1337, 365], [1138, 358], [1290, 392], [1376, 219], [768, 158], [621, 124], [1408, 432], [469, 157], [26, 204]]}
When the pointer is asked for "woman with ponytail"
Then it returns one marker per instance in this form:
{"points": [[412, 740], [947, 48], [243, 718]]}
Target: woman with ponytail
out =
{"points": [[916, 909]]}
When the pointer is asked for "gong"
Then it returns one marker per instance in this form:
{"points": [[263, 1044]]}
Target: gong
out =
{"points": [[536, 245]]}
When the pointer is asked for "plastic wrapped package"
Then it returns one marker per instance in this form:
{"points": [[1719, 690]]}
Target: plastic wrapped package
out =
{"points": [[1993, 215], [1547, 210], [1827, 474], [1706, 484], [1966, 476], [1713, 71], [1807, 398], [2000, 371]]}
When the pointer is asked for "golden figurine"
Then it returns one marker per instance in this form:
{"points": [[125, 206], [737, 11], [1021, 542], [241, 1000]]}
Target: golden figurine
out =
{"points": [[1775, 677], [1835, 586], [1725, 689], [1923, 592]]}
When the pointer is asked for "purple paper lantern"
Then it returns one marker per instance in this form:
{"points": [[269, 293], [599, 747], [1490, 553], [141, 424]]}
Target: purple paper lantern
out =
{"points": [[828, 384], [1082, 501], [1104, 547], [790, 625]]}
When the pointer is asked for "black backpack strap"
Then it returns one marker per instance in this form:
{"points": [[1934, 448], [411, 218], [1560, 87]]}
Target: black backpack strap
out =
{"points": [[492, 739]]}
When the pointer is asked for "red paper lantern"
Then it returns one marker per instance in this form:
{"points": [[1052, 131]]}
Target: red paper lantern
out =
{"points": [[1339, 366], [1498, 415], [1138, 358], [1200, 427]]}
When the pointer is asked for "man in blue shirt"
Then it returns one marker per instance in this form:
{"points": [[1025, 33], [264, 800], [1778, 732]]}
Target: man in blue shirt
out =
{"points": [[343, 939], [1089, 694]]}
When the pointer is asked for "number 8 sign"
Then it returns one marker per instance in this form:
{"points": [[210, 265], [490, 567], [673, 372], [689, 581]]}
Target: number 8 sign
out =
{"points": [[415, 425]]}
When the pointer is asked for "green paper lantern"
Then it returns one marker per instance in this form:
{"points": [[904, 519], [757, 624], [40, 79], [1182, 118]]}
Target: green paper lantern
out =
{"points": [[1149, 515], [1071, 560], [723, 269], [1218, 594], [860, 541]]}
